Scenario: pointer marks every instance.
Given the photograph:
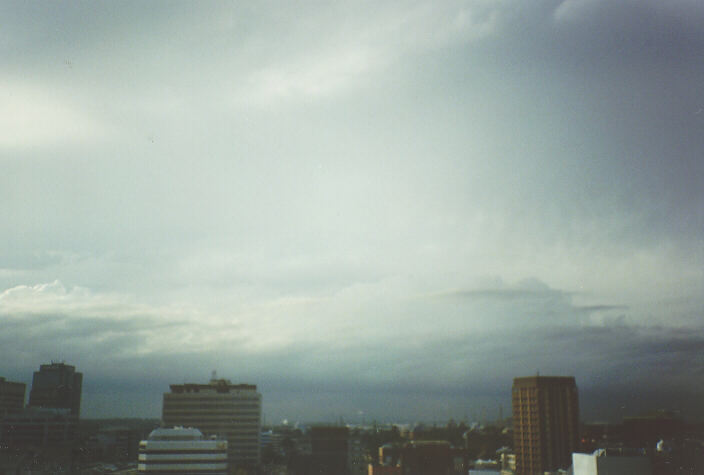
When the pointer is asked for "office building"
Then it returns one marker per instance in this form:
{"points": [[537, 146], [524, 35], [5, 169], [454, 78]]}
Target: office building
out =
{"points": [[219, 408], [181, 451], [545, 423], [57, 386], [11, 397]]}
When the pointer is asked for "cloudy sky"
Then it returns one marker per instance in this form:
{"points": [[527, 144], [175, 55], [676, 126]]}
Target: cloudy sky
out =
{"points": [[375, 209]]}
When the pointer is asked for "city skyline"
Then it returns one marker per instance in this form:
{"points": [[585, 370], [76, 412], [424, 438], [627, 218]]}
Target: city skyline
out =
{"points": [[388, 210], [598, 412]]}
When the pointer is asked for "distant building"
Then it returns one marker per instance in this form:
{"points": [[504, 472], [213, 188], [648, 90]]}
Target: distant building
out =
{"points": [[39, 428], [383, 470], [57, 386], [424, 457], [50, 420], [611, 462], [330, 450], [182, 451], [357, 460], [220, 408], [508, 463], [645, 431], [545, 423], [113, 443], [11, 397]]}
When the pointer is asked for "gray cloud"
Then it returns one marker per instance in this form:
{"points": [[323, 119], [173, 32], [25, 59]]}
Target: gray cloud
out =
{"points": [[318, 199]]}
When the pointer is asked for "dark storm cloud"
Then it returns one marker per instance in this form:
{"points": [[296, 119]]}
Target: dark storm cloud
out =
{"points": [[618, 82], [438, 371]]}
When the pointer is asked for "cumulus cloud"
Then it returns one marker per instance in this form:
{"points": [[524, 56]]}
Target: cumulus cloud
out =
{"points": [[76, 319]]}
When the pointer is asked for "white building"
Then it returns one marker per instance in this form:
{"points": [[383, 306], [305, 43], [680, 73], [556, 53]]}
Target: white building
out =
{"points": [[219, 408], [611, 462], [180, 450]]}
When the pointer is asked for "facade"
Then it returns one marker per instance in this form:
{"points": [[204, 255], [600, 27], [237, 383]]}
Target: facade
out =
{"points": [[608, 462], [219, 408], [545, 423], [11, 397], [39, 428], [181, 451], [57, 386]]}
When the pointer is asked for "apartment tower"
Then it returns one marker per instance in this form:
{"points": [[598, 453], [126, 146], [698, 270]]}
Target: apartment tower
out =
{"points": [[219, 408], [545, 423]]}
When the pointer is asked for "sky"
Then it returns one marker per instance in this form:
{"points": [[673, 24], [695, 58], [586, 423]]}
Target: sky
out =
{"points": [[371, 210]]}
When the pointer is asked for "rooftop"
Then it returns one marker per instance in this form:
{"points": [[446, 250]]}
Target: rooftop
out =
{"points": [[219, 385], [176, 433]]}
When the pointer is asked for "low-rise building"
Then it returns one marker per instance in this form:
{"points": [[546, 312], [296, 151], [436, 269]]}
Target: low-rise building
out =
{"points": [[611, 461], [180, 450], [425, 457]]}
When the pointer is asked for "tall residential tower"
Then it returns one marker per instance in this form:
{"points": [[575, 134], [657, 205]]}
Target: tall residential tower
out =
{"points": [[545, 423]]}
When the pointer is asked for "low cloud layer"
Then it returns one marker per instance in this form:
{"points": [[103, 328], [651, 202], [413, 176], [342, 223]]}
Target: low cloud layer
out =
{"points": [[451, 352]]}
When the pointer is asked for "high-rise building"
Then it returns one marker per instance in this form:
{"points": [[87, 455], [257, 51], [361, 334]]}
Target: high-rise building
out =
{"points": [[181, 451], [220, 408], [57, 386], [545, 423], [11, 397]]}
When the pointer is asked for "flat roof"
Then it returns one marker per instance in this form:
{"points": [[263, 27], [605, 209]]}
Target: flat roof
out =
{"points": [[544, 381], [219, 385]]}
